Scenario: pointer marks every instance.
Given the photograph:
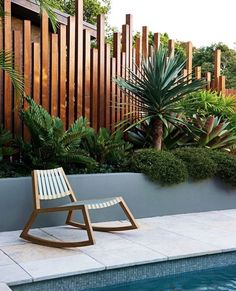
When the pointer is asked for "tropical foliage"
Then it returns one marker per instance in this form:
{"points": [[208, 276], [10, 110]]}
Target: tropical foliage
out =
{"points": [[158, 87], [50, 144], [107, 149], [206, 103], [215, 134]]}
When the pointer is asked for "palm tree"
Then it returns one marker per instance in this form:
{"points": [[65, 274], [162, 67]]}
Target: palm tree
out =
{"points": [[158, 86]]}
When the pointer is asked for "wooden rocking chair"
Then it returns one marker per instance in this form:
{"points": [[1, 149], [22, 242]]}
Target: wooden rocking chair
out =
{"points": [[53, 184]]}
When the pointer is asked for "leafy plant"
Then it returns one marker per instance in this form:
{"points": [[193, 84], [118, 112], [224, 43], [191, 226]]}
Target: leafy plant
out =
{"points": [[200, 166], [5, 143], [107, 149], [50, 144], [226, 166], [6, 64], [214, 133], [48, 7], [160, 166], [206, 103], [158, 87]]}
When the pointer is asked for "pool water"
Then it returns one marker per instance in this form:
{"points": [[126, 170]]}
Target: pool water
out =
{"points": [[214, 279]]}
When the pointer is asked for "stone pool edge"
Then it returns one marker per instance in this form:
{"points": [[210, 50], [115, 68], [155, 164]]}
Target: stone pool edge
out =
{"points": [[109, 277]]}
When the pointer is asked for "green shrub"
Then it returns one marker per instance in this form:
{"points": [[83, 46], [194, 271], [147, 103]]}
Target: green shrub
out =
{"points": [[160, 166], [226, 166], [5, 143], [198, 162], [13, 169]]}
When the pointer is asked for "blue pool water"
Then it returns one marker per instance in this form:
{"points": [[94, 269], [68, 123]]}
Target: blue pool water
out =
{"points": [[215, 279]]}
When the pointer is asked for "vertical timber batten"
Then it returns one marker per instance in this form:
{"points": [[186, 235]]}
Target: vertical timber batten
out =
{"points": [[54, 74], [94, 89], [71, 71], [62, 73], [79, 57], [7, 86], [18, 67], [44, 60], [101, 68], [87, 75]]}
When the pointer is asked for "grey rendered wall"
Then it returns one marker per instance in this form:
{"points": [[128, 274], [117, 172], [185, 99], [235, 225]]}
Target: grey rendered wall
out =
{"points": [[144, 198]]}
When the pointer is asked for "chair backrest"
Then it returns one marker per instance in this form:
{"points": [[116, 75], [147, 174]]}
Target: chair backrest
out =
{"points": [[51, 184]]}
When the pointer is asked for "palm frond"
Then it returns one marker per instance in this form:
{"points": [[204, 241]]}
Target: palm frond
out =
{"points": [[6, 64], [46, 6]]}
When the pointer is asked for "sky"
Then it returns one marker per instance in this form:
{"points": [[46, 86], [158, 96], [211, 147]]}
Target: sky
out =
{"points": [[203, 21]]}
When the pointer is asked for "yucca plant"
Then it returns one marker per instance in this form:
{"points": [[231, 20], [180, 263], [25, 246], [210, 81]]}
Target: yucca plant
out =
{"points": [[158, 87], [215, 133], [50, 144]]}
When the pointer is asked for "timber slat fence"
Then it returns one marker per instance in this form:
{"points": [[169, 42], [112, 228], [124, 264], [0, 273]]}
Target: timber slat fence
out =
{"points": [[70, 78]]}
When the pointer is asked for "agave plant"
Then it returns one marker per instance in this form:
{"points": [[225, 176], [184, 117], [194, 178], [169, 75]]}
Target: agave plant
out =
{"points": [[215, 134], [50, 144], [5, 143], [158, 87]]}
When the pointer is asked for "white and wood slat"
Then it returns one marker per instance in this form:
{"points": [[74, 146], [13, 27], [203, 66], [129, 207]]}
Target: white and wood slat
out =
{"points": [[53, 184]]}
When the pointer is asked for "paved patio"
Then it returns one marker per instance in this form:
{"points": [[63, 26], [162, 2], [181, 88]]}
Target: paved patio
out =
{"points": [[158, 239]]}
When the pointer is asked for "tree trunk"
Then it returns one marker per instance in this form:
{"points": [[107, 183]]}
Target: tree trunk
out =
{"points": [[157, 134]]}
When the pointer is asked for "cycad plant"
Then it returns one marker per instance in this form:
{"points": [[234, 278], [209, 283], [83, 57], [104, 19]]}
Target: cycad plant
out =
{"points": [[107, 149], [158, 87], [51, 145]]}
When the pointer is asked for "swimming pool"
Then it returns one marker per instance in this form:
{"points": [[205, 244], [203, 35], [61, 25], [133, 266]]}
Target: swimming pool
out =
{"points": [[214, 279]]}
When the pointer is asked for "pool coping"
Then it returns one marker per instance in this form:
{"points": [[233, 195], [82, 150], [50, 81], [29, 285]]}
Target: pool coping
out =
{"points": [[129, 274], [162, 246]]}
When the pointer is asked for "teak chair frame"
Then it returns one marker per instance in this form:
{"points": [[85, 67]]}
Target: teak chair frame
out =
{"points": [[75, 205]]}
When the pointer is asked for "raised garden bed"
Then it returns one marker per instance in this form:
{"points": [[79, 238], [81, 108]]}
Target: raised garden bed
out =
{"points": [[144, 198]]}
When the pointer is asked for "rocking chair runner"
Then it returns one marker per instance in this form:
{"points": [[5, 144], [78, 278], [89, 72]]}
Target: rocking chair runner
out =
{"points": [[53, 184]]}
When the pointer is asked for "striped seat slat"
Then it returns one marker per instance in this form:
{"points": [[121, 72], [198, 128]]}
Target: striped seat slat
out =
{"points": [[96, 204], [51, 184]]}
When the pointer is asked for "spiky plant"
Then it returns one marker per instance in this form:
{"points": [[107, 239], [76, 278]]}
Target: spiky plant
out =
{"points": [[50, 144], [214, 133], [158, 87]]}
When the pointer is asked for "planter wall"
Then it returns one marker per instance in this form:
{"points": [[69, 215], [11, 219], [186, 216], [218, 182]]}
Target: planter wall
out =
{"points": [[144, 198]]}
